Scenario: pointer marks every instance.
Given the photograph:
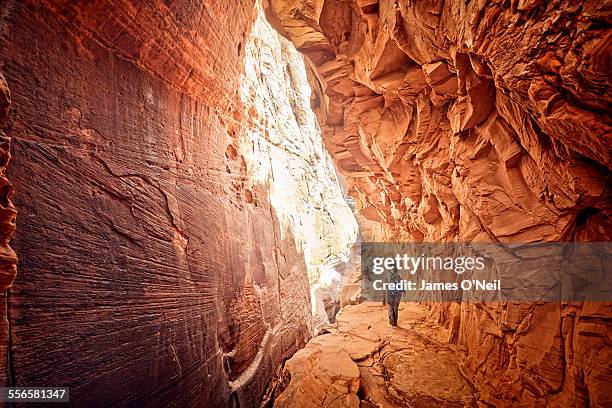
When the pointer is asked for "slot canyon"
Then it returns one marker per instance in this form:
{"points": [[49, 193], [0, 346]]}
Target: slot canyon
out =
{"points": [[187, 186]]}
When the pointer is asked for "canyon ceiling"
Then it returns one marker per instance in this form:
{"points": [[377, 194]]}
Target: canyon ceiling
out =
{"points": [[152, 240]]}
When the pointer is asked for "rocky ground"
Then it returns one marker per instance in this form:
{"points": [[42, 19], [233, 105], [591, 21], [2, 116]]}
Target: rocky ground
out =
{"points": [[365, 362]]}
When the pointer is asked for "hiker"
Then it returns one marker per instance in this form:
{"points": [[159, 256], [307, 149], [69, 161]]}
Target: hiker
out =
{"points": [[394, 297]]}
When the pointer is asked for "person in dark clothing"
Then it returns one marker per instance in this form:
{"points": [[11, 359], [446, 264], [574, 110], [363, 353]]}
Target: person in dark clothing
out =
{"points": [[394, 298]]}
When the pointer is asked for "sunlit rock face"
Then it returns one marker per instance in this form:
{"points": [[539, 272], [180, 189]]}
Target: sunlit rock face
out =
{"points": [[166, 246], [476, 121], [282, 149]]}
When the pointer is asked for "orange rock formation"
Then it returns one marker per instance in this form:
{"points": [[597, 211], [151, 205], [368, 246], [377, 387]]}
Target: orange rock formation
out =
{"points": [[477, 121]]}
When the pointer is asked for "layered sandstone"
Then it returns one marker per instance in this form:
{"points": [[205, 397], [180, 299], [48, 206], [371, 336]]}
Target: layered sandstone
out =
{"points": [[477, 121], [164, 257], [455, 121], [8, 213]]}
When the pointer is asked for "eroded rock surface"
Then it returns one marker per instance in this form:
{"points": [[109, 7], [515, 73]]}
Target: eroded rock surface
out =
{"points": [[8, 215], [477, 121], [468, 121]]}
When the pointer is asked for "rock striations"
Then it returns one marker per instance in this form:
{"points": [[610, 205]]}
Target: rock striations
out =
{"points": [[8, 214], [477, 121]]}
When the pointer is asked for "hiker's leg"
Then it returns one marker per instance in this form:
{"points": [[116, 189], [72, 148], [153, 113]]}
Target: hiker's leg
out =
{"points": [[390, 307], [395, 311]]}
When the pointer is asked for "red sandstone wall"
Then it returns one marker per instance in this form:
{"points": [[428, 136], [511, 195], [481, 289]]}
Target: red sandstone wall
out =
{"points": [[8, 258], [144, 275], [477, 121]]}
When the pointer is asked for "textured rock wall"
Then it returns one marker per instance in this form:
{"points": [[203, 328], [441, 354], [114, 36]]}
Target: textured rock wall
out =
{"points": [[8, 213], [155, 269], [477, 121]]}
